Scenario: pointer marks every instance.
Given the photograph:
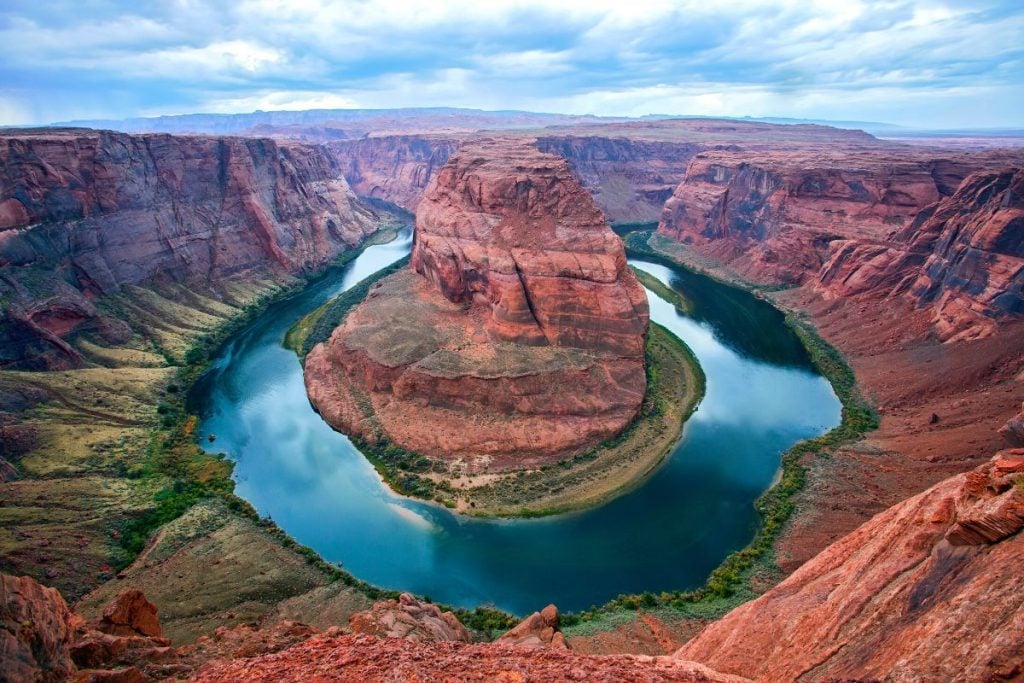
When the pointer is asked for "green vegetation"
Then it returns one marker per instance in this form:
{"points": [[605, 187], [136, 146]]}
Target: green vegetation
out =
{"points": [[624, 229], [317, 326], [664, 291], [180, 474]]}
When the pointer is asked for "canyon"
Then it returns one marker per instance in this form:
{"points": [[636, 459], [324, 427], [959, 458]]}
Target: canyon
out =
{"points": [[517, 288], [87, 213], [120, 253]]}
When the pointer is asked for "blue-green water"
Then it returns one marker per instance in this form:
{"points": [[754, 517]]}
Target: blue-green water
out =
{"points": [[668, 533]]}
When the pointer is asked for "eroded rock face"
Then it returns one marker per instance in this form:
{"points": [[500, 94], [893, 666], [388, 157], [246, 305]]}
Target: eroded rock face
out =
{"points": [[629, 179], [540, 629], [510, 229], [83, 213], [944, 234], [927, 590], [410, 619], [772, 216], [962, 258], [1013, 430], [396, 168], [130, 614], [520, 291], [36, 631], [975, 272]]}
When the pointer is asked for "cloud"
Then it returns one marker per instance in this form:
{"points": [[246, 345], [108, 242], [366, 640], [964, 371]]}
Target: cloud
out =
{"points": [[917, 62]]}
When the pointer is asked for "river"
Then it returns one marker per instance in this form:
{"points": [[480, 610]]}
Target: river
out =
{"points": [[668, 533]]}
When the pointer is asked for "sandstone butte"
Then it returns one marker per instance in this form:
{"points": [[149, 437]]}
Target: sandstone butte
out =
{"points": [[518, 291]]}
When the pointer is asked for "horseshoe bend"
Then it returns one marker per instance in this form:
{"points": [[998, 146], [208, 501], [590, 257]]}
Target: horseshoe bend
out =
{"points": [[434, 393], [517, 288]]}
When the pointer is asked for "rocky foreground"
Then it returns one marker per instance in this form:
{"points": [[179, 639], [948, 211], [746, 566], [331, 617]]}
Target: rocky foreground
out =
{"points": [[927, 590], [517, 290]]}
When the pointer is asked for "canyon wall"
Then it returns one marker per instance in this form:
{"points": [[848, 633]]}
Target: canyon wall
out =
{"points": [[517, 290], [393, 168], [84, 213], [850, 223], [962, 258], [629, 179]]}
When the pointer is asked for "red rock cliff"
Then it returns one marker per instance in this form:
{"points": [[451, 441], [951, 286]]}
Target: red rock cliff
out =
{"points": [[96, 210], [962, 259], [509, 228], [772, 216], [396, 168], [520, 291], [927, 590]]}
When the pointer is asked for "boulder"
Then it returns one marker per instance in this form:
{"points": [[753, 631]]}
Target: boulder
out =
{"points": [[410, 619]]}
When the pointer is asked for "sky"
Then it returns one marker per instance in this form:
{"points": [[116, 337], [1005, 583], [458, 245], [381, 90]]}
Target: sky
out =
{"points": [[918, 63]]}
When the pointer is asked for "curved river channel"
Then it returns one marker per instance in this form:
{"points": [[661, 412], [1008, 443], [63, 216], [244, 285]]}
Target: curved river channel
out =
{"points": [[668, 533]]}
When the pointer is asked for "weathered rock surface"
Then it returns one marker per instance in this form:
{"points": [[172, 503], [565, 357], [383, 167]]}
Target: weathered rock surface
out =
{"points": [[520, 289], [410, 619], [42, 640], [395, 168], [1013, 430], [36, 630], [630, 179], [927, 590], [130, 614], [540, 629], [876, 222], [83, 213], [772, 216], [365, 658], [961, 258]]}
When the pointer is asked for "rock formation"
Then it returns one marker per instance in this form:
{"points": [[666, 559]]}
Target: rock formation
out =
{"points": [[540, 629], [962, 258], [36, 629], [848, 223], [83, 213], [365, 658], [410, 619], [927, 590], [629, 179], [771, 216], [519, 291], [42, 640], [396, 168], [1013, 430]]}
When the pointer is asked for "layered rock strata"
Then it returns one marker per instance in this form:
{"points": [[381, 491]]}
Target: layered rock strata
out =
{"points": [[961, 258], [84, 213], [518, 292], [396, 168], [927, 590], [941, 232]]}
